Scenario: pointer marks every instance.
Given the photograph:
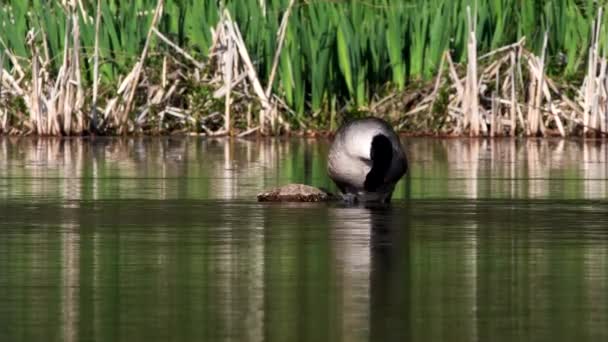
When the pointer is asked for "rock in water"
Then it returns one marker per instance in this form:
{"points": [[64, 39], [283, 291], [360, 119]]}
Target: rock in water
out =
{"points": [[295, 193]]}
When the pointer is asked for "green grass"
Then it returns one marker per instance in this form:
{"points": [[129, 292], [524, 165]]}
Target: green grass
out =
{"points": [[335, 51]]}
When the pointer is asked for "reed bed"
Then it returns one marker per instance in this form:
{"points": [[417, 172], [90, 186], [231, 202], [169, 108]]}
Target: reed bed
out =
{"points": [[513, 95], [241, 67]]}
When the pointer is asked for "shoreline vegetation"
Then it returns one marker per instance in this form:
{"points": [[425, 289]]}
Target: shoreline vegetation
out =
{"points": [[239, 68]]}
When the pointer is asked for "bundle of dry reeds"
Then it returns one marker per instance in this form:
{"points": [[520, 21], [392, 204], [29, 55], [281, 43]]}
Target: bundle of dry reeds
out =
{"points": [[513, 95], [59, 105], [504, 92], [235, 70]]}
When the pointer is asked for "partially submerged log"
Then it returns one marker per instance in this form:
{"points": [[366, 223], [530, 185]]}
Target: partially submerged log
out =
{"points": [[296, 193]]}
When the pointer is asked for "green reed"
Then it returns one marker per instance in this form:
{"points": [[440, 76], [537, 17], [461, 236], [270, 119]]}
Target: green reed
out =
{"points": [[335, 51]]}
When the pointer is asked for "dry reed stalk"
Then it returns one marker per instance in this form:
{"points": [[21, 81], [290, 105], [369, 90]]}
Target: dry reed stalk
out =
{"points": [[51, 105], [535, 118], [170, 92], [3, 112], [493, 115], [34, 97], [45, 49], [590, 79], [248, 132], [179, 50], [471, 102], [73, 86], [493, 70], [11, 83], [14, 61], [233, 32], [280, 41], [530, 105], [122, 88], [496, 120], [374, 107], [94, 125], [228, 66], [110, 107], [553, 110], [142, 116], [249, 115], [163, 79], [454, 77], [182, 114], [520, 116], [602, 95], [595, 116], [77, 78], [505, 48], [605, 103], [137, 71], [62, 82], [279, 102], [418, 109], [569, 102], [221, 92], [513, 109]]}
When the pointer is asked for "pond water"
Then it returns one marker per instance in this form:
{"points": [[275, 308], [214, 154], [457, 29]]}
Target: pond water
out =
{"points": [[158, 239]]}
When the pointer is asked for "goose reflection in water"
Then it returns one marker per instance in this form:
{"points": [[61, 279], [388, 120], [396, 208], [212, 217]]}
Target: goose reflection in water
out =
{"points": [[372, 257]]}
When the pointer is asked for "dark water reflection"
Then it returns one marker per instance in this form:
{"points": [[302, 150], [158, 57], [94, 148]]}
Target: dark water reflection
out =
{"points": [[160, 239]]}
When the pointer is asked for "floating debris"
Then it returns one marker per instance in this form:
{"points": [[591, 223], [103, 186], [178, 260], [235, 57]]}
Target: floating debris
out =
{"points": [[296, 193]]}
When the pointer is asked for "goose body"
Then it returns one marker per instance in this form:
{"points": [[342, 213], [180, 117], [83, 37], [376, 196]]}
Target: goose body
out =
{"points": [[366, 160]]}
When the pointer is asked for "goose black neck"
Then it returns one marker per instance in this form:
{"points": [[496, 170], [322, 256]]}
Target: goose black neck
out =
{"points": [[381, 155]]}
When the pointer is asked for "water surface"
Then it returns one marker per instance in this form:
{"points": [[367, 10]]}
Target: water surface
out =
{"points": [[158, 239]]}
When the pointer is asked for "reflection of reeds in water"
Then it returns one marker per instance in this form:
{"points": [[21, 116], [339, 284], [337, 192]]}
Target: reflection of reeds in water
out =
{"points": [[595, 169], [259, 276], [595, 261], [70, 255], [464, 161], [536, 167], [253, 268], [237, 275], [171, 168], [444, 279], [507, 168]]}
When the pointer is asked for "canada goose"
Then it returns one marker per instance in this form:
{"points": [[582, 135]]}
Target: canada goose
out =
{"points": [[366, 160]]}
